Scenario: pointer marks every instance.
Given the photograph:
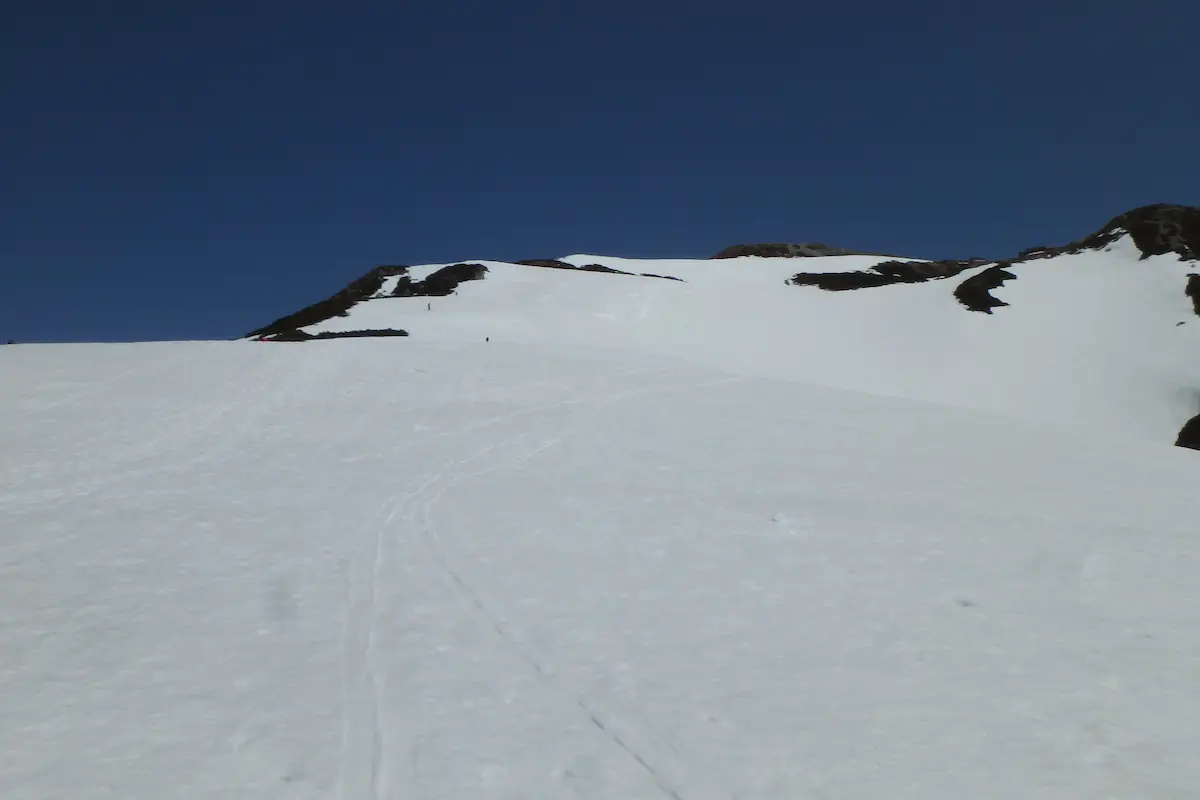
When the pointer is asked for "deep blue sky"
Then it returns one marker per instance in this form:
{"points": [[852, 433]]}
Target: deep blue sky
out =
{"points": [[194, 170]]}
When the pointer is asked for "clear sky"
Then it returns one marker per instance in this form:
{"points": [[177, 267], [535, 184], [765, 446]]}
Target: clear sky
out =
{"points": [[194, 170]]}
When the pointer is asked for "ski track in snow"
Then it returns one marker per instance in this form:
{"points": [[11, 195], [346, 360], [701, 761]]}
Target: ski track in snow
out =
{"points": [[145, 511], [676, 775], [363, 771], [366, 766]]}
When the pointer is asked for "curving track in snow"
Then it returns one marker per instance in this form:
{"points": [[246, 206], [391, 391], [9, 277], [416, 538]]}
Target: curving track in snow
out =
{"points": [[381, 569]]}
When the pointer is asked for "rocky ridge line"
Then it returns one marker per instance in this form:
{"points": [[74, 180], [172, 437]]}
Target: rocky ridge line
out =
{"points": [[1155, 230]]}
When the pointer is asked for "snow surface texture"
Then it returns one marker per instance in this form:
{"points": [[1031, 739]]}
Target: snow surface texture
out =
{"points": [[418, 569], [1098, 340]]}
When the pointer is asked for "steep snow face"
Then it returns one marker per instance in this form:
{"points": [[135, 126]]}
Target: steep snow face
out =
{"points": [[1098, 339], [394, 569]]}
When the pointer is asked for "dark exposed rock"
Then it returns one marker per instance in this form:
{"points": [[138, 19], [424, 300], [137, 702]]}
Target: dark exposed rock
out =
{"points": [[781, 250], [447, 279], [976, 291], [1156, 230], [335, 306], [883, 274], [761, 250], [405, 287], [1189, 434], [440, 283], [840, 281], [296, 335], [1192, 290], [304, 336], [364, 334], [602, 268], [551, 263]]}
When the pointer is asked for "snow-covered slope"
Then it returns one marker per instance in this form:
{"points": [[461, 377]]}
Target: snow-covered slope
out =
{"points": [[423, 569], [1097, 336], [710, 534]]}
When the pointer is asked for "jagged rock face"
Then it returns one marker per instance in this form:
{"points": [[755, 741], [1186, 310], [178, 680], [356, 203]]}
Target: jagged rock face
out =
{"points": [[440, 283], [810, 250], [1193, 291], [554, 263], [1189, 434], [884, 274], [1157, 230], [548, 263], [336, 306], [975, 293], [304, 336]]}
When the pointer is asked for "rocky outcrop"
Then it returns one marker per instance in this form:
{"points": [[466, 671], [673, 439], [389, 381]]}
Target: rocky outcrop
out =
{"points": [[975, 293], [1192, 290], [884, 274], [440, 283], [1189, 434], [336, 306], [553, 263], [1158, 230], [602, 268], [304, 336], [548, 263], [779, 250], [1155, 230]]}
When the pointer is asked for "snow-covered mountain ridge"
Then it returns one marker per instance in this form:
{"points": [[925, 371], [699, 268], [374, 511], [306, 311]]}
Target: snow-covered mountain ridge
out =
{"points": [[1101, 333]]}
